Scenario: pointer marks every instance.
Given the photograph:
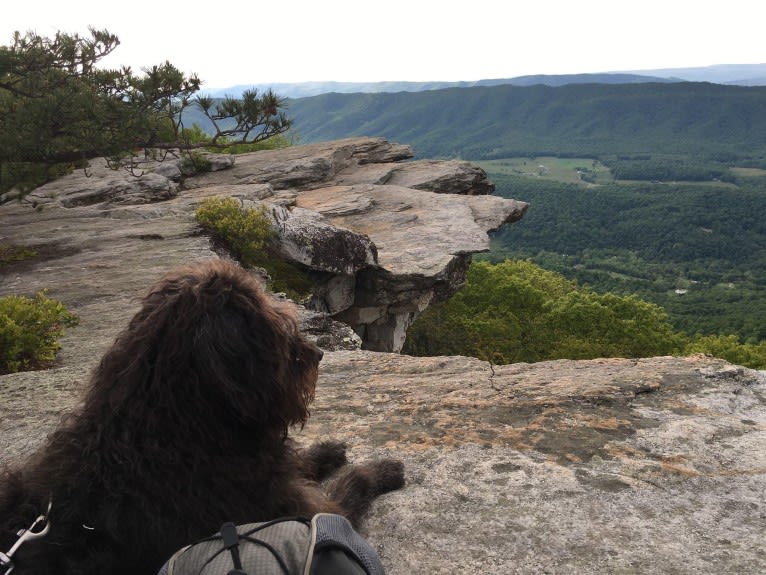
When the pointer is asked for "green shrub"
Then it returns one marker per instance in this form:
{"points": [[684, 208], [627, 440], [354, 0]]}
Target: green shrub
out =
{"points": [[29, 331], [195, 162], [728, 347], [516, 311], [193, 135], [247, 233], [274, 143]]}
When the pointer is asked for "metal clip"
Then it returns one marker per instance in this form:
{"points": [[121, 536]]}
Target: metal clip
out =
{"points": [[38, 529]]}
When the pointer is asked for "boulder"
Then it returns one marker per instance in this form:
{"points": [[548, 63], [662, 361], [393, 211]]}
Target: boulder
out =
{"points": [[170, 170], [306, 166], [100, 184], [445, 177], [308, 239]]}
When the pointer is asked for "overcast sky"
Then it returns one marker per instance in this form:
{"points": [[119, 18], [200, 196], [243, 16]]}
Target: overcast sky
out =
{"points": [[239, 42]]}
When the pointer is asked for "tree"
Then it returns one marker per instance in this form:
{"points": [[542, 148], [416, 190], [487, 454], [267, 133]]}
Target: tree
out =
{"points": [[58, 109], [587, 324], [516, 311]]}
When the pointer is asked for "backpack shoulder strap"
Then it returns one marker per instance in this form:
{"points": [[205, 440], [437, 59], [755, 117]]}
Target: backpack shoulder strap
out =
{"points": [[331, 531]]}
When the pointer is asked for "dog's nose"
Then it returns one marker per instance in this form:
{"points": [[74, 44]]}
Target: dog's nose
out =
{"points": [[320, 354]]}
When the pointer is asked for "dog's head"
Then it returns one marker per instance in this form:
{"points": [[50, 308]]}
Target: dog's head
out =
{"points": [[209, 344]]}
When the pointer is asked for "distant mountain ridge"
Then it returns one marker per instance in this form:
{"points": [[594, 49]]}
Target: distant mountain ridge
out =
{"points": [[308, 89], [730, 74], [693, 119], [733, 74]]}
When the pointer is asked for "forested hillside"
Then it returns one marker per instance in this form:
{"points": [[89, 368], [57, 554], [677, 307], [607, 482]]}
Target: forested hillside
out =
{"points": [[710, 122]]}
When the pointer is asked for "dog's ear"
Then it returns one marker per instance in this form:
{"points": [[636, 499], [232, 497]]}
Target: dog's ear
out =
{"points": [[302, 374], [286, 363]]}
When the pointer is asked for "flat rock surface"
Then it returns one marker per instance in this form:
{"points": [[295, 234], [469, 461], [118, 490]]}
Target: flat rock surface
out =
{"points": [[417, 233], [605, 466]]}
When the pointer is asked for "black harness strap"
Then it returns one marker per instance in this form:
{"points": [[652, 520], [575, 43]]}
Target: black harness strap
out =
{"points": [[231, 542]]}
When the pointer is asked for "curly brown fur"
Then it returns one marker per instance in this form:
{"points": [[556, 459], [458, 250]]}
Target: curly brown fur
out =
{"points": [[184, 427]]}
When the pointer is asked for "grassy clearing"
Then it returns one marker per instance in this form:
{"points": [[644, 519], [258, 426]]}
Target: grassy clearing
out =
{"points": [[708, 184], [585, 171], [748, 172]]}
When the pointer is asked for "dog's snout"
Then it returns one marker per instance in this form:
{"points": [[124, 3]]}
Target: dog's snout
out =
{"points": [[310, 353]]}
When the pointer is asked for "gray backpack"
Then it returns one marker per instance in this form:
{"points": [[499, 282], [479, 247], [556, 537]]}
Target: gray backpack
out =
{"points": [[327, 544]]}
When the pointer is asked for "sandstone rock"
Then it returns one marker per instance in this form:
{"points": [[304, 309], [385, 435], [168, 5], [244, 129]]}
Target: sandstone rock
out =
{"points": [[99, 184], [169, 170], [646, 466], [175, 164], [306, 166], [305, 237], [220, 162], [446, 177], [380, 253], [334, 294], [327, 333]]}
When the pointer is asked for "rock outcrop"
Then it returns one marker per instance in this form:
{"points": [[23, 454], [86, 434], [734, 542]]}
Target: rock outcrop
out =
{"points": [[381, 252], [648, 466]]}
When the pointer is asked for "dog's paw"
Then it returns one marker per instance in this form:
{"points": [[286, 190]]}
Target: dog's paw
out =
{"points": [[329, 453], [324, 458], [389, 475]]}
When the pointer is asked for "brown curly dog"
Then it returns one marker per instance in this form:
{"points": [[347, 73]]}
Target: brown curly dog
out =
{"points": [[184, 427]]}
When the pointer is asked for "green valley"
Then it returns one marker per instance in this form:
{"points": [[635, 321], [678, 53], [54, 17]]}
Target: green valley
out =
{"points": [[697, 249]]}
